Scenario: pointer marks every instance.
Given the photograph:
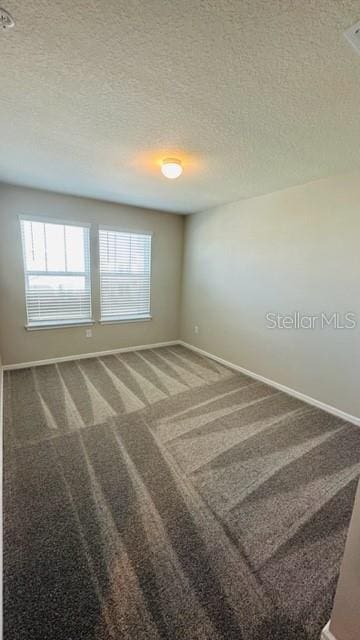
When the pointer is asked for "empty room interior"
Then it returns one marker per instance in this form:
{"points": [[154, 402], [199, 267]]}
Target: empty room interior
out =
{"points": [[180, 319]]}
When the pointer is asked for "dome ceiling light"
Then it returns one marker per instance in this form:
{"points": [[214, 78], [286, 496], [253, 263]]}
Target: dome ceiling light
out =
{"points": [[6, 20], [171, 168]]}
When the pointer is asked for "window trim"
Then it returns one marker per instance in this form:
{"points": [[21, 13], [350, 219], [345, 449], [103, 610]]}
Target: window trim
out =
{"points": [[140, 232], [49, 220], [56, 324], [131, 318], [36, 326], [126, 320]]}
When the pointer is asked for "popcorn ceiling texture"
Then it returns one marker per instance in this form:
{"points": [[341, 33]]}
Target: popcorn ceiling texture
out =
{"points": [[260, 95]]}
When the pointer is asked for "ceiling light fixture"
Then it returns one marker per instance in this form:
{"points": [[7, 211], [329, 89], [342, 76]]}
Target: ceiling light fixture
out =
{"points": [[353, 36], [6, 20], [171, 168]]}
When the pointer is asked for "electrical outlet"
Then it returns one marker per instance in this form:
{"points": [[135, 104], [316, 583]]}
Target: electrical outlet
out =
{"points": [[196, 329], [88, 333]]}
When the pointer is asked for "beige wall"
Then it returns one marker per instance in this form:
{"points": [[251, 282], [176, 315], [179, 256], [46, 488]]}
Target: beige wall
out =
{"points": [[294, 250], [345, 619], [19, 345]]}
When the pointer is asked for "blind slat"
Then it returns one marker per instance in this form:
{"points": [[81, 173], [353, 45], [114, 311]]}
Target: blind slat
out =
{"points": [[125, 274]]}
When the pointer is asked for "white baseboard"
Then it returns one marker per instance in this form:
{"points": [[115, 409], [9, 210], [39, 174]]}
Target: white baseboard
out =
{"points": [[291, 392], [95, 354], [326, 633]]}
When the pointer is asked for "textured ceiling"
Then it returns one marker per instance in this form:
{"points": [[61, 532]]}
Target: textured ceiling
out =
{"points": [[254, 95]]}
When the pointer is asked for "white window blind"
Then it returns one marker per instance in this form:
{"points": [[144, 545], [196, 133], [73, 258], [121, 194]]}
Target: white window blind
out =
{"points": [[125, 275], [57, 272]]}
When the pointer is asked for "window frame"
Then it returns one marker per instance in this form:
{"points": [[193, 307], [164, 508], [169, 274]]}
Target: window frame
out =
{"points": [[58, 323], [146, 318]]}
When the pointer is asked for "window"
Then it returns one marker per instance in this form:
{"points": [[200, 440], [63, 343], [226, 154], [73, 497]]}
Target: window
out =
{"points": [[57, 272], [125, 274]]}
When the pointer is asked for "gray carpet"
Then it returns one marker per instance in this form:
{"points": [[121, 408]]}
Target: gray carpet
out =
{"points": [[158, 495]]}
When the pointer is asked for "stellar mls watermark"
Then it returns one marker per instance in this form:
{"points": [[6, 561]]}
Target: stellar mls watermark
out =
{"points": [[322, 320]]}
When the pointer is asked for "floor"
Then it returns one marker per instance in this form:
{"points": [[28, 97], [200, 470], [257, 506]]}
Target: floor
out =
{"points": [[160, 495]]}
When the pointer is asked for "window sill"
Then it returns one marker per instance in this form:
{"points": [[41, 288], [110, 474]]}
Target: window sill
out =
{"points": [[58, 325], [125, 320]]}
